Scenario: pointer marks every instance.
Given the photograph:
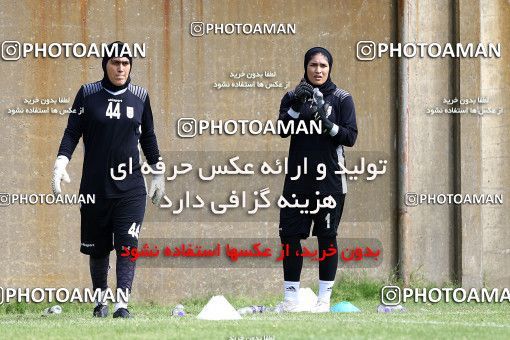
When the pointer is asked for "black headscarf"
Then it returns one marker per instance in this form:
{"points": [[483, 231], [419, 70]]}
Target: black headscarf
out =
{"points": [[117, 54], [328, 87]]}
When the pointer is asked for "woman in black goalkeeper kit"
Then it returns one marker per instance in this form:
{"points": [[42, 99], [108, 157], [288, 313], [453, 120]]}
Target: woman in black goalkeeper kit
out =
{"points": [[315, 98], [113, 116]]}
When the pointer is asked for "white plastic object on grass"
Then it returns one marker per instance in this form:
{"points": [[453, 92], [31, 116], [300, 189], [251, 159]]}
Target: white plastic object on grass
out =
{"points": [[218, 308]]}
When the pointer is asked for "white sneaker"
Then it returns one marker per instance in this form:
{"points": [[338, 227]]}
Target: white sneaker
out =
{"points": [[321, 307], [289, 306]]}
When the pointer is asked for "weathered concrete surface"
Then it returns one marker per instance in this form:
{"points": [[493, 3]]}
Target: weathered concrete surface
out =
{"points": [[42, 243], [430, 145], [470, 148]]}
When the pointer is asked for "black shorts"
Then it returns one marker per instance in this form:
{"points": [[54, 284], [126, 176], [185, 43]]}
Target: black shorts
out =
{"points": [[325, 222], [111, 223]]}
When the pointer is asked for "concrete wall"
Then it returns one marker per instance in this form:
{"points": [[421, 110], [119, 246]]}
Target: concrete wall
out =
{"points": [[430, 144], [42, 242]]}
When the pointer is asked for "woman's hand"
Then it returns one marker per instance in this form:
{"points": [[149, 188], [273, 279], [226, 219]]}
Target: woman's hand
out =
{"points": [[59, 174], [322, 113]]}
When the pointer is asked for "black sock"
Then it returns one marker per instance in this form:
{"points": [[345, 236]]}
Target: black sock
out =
{"points": [[328, 266], [125, 272], [292, 264], [99, 271]]}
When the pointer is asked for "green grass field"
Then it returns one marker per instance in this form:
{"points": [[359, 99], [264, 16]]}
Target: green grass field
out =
{"points": [[441, 320]]}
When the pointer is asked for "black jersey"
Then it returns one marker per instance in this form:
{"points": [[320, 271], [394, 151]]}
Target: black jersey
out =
{"points": [[320, 148], [112, 124]]}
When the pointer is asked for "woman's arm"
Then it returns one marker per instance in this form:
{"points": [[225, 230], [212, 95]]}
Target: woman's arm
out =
{"points": [[74, 129]]}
